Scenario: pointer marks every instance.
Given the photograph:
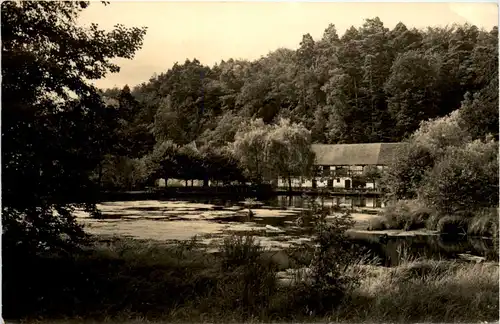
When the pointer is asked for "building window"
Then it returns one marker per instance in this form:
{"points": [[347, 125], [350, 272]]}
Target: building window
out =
{"points": [[330, 183], [338, 180]]}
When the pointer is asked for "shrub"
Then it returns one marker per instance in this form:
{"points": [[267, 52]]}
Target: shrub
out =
{"points": [[246, 279], [237, 251], [452, 225], [328, 280], [465, 179], [32, 231], [439, 134], [377, 224], [406, 215], [405, 174]]}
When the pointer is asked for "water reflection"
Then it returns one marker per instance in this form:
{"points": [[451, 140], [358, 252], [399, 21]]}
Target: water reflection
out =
{"points": [[398, 248]]}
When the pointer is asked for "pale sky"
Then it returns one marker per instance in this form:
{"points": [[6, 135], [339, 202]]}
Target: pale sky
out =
{"points": [[212, 31]]}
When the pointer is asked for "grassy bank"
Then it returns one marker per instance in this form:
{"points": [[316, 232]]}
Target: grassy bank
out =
{"points": [[411, 215], [132, 281]]}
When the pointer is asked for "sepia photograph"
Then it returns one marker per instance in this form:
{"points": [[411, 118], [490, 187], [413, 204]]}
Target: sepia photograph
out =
{"points": [[249, 162]]}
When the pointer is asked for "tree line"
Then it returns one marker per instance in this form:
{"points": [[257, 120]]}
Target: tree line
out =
{"points": [[373, 84]]}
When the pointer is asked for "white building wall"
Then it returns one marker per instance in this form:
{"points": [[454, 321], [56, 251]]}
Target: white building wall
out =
{"points": [[340, 182], [370, 202], [174, 182], [160, 183], [307, 183], [321, 184]]}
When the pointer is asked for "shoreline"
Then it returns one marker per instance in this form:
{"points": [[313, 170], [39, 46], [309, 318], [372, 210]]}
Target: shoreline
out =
{"points": [[223, 192]]}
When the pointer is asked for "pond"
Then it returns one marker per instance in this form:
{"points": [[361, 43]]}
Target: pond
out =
{"points": [[274, 224]]}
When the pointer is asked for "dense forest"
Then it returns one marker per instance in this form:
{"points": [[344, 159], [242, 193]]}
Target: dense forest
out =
{"points": [[372, 84]]}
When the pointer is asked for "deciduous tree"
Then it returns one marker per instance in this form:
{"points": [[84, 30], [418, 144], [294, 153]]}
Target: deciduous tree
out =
{"points": [[51, 115], [288, 151]]}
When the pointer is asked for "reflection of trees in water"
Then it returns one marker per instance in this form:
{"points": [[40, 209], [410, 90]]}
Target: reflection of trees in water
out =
{"points": [[485, 247], [299, 201], [395, 249], [449, 245], [473, 245], [480, 244]]}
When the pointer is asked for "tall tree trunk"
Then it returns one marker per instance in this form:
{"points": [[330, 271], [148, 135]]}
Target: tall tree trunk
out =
{"points": [[289, 184]]}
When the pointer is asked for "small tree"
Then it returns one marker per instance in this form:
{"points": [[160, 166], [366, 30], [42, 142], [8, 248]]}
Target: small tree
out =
{"points": [[249, 148], [465, 179], [436, 135], [425, 147], [189, 163], [329, 279], [288, 150], [52, 132], [219, 164], [162, 162], [404, 175]]}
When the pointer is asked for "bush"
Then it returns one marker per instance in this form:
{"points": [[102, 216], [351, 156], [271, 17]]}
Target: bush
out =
{"points": [[328, 280], [405, 174], [29, 232], [465, 179], [377, 224], [237, 251], [452, 225], [246, 280], [406, 214]]}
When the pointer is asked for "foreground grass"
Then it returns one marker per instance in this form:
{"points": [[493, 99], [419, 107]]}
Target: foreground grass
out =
{"points": [[430, 291], [129, 281]]}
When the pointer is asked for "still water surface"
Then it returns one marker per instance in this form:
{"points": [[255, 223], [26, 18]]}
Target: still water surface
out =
{"points": [[274, 224]]}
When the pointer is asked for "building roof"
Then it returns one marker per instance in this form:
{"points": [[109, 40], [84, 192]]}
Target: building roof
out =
{"points": [[355, 154]]}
